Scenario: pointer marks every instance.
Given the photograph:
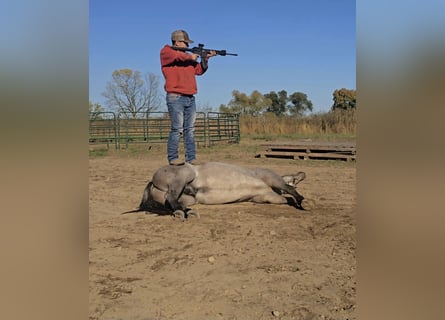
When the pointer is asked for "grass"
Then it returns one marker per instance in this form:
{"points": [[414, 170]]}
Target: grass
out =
{"points": [[321, 124], [250, 143], [98, 152], [243, 152]]}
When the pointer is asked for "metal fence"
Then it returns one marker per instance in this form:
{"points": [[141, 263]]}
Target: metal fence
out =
{"points": [[126, 128]]}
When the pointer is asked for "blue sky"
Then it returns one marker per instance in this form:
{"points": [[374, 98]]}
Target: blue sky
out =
{"points": [[298, 46]]}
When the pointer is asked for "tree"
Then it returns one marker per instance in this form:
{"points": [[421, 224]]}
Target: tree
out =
{"points": [[94, 110], [252, 104], [344, 99], [278, 102], [129, 92], [299, 104], [206, 107]]}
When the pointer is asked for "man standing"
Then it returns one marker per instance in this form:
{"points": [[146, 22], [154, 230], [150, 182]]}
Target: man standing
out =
{"points": [[179, 69]]}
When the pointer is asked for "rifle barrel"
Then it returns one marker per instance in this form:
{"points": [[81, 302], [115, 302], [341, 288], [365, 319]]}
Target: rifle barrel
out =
{"points": [[197, 49]]}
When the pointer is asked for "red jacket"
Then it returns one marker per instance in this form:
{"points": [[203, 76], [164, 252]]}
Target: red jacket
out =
{"points": [[179, 71]]}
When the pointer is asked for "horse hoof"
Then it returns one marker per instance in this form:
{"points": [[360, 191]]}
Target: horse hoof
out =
{"points": [[194, 213], [309, 204], [179, 214]]}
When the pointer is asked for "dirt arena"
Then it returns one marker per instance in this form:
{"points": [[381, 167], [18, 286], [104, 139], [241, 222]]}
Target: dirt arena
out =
{"points": [[239, 261]]}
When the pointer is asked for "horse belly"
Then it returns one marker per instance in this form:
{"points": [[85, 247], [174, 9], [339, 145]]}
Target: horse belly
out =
{"points": [[214, 192]]}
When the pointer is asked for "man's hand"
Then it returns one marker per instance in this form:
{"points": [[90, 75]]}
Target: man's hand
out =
{"points": [[212, 53]]}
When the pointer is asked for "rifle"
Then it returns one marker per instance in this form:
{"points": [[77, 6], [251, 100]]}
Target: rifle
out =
{"points": [[199, 50]]}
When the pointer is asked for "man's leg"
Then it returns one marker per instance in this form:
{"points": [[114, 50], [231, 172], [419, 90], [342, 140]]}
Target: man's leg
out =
{"points": [[189, 129], [176, 112]]}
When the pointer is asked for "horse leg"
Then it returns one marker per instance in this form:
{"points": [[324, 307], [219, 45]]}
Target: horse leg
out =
{"points": [[269, 197]]}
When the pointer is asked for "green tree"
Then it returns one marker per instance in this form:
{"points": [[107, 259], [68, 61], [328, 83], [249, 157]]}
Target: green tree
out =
{"points": [[130, 92], [299, 104], [344, 99], [278, 102], [253, 104]]}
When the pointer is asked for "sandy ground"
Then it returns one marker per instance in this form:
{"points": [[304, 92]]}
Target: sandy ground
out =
{"points": [[239, 261]]}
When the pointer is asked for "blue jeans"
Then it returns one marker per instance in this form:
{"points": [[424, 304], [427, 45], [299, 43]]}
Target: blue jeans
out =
{"points": [[182, 111]]}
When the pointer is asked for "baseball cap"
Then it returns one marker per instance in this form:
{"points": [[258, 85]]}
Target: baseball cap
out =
{"points": [[181, 35]]}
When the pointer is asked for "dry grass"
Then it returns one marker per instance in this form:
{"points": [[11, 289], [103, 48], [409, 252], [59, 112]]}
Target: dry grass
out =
{"points": [[341, 122]]}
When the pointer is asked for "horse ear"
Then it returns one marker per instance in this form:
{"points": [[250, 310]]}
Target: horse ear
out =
{"points": [[294, 179], [300, 176]]}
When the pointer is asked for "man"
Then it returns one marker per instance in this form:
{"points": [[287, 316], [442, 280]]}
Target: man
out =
{"points": [[179, 69]]}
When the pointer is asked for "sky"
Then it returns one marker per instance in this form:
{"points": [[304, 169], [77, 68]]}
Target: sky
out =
{"points": [[304, 46]]}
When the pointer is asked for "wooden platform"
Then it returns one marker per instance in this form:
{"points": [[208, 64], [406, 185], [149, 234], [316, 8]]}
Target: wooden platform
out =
{"points": [[310, 150]]}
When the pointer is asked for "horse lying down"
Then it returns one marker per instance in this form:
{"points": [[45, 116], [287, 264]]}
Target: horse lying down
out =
{"points": [[173, 189]]}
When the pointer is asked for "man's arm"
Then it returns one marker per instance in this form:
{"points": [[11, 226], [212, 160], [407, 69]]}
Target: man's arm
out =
{"points": [[169, 55]]}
